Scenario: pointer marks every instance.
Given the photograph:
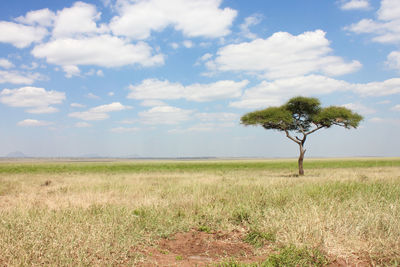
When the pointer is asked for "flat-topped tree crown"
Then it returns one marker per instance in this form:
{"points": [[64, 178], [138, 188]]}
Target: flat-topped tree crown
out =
{"points": [[303, 115]]}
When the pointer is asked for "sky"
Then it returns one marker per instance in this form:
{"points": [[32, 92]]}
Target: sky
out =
{"points": [[158, 78]]}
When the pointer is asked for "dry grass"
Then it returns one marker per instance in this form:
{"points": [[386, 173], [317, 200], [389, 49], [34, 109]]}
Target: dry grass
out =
{"points": [[97, 218]]}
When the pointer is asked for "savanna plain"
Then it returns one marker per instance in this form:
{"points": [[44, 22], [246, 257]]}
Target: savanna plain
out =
{"points": [[200, 213]]}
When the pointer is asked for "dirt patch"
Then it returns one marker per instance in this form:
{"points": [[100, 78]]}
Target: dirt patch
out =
{"points": [[196, 248]]}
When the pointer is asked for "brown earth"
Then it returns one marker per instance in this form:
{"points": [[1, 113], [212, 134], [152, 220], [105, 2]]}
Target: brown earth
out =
{"points": [[196, 248]]}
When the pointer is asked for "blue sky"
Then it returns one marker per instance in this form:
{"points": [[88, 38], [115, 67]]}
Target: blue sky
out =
{"points": [[157, 78]]}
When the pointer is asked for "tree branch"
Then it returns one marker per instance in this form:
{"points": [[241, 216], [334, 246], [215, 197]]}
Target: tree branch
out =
{"points": [[291, 138], [316, 129]]}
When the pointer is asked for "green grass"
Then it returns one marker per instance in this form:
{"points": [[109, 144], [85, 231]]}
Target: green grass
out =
{"points": [[288, 256], [190, 166], [96, 214]]}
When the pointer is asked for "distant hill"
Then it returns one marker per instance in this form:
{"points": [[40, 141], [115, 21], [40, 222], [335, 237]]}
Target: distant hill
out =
{"points": [[16, 154]]}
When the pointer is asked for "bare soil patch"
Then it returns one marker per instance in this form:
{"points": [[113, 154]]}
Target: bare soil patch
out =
{"points": [[196, 248]]}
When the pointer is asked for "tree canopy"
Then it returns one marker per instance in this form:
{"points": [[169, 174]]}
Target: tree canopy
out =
{"points": [[302, 115]]}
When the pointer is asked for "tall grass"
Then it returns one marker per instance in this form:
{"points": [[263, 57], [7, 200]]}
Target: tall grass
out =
{"points": [[98, 218]]}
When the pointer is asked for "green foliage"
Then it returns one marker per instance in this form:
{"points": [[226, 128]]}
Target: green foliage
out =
{"points": [[293, 256], [300, 114], [289, 256], [338, 116], [303, 110], [258, 238], [277, 118]]}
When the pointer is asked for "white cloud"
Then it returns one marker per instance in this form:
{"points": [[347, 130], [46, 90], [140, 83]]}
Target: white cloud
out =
{"points": [[206, 57], [100, 73], [218, 116], [82, 125], [127, 121], [174, 45], [156, 89], [77, 105], [396, 108], [33, 123], [137, 19], [42, 110], [393, 60], [165, 115], [152, 103], [188, 44], [78, 20], [124, 129], [387, 87], [283, 55], [394, 121], [42, 17], [387, 26], [99, 112], [92, 96], [37, 100], [360, 108], [355, 4], [5, 63], [276, 92], [253, 20], [16, 77], [111, 94], [33, 66], [20, 35], [71, 70], [103, 50]]}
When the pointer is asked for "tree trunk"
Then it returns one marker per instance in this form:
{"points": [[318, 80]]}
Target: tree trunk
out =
{"points": [[301, 158]]}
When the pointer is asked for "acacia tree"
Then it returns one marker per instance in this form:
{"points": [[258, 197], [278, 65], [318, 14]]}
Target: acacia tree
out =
{"points": [[302, 116]]}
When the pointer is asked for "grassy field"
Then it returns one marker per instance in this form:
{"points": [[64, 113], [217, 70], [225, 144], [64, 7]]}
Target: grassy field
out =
{"points": [[100, 213]]}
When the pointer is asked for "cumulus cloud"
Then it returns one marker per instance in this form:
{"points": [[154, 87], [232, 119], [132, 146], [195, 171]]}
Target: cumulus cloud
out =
{"points": [[188, 44], [80, 19], [360, 108], [165, 115], [33, 123], [71, 70], [396, 108], [355, 4], [152, 103], [37, 100], [19, 35], [276, 92], [217, 116], [92, 96], [156, 89], [253, 20], [5, 63], [16, 77], [43, 17], [77, 105], [393, 60], [386, 28], [99, 112], [283, 55], [102, 50], [137, 19]]}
